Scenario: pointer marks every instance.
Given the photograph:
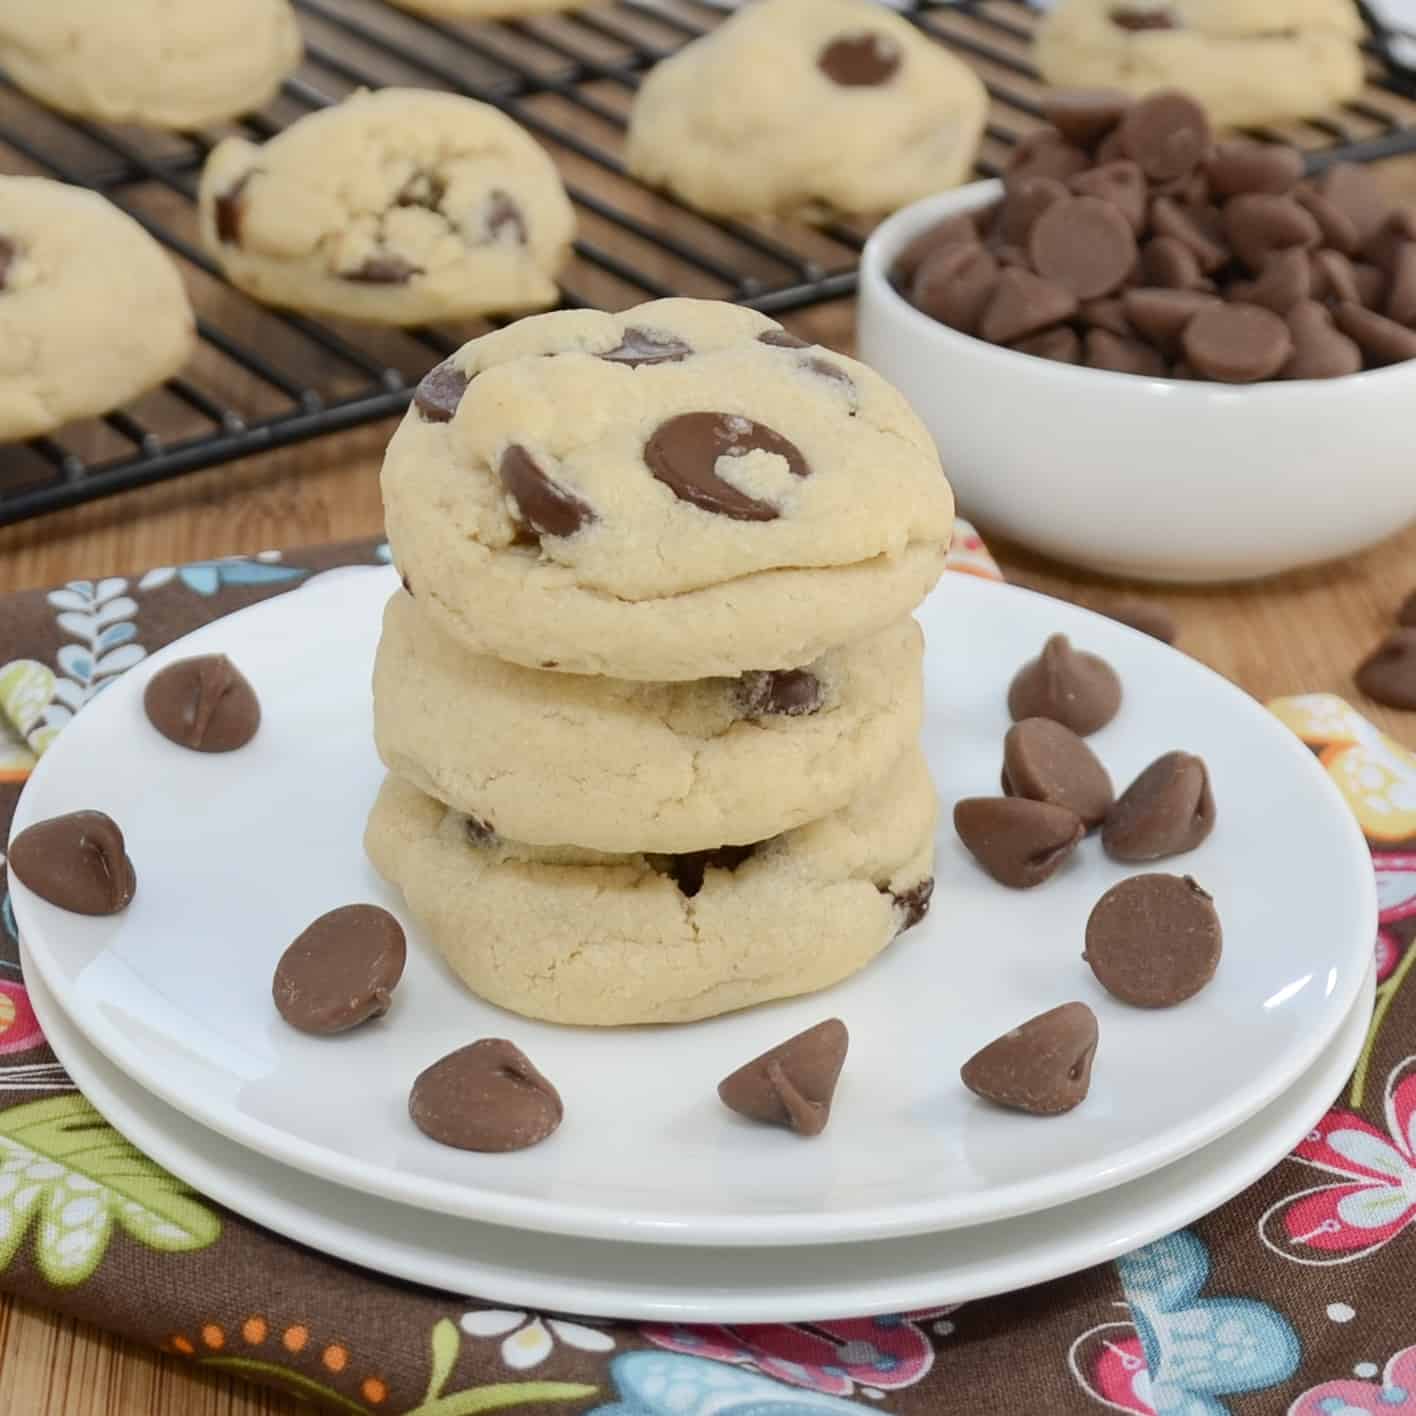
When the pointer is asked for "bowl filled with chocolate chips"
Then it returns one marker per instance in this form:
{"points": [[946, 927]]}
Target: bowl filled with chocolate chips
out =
{"points": [[1157, 351]]}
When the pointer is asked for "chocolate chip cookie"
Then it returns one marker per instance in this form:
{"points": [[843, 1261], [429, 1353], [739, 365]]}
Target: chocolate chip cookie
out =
{"points": [[805, 107], [1247, 61], [150, 61], [397, 207], [680, 491], [92, 311], [620, 766], [573, 936]]}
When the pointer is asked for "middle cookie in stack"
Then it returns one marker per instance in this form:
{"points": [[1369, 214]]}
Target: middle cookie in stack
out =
{"points": [[650, 700]]}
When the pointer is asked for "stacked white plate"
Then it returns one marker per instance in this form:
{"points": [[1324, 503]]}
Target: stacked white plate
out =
{"points": [[652, 1201]]}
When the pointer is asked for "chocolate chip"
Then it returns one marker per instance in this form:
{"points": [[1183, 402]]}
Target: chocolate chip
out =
{"points": [[1043, 1066], [504, 216], [1334, 278], [1238, 167], [1085, 245], [1018, 841], [1286, 280], [784, 693], [1123, 184], [1154, 940], [440, 391], [1338, 229], [647, 346], [1026, 200], [1074, 688], [1167, 133], [1084, 116], [1320, 351], [1257, 225], [406, 582], [957, 230], [1401, 295], [1371, 284], [478, 831], [228, 209], [1382, 340], [1023, 303], [1046, 153], [1168, 262], [1135, 20], [1063, 345], [1406, 615], [825, 369], [1168, 810], [785, 339], [863, 60], [955, 284], [684, 452], [792, 1084], [8, 251], [1161, 315], [1103, 350], [485, 1097], [341, 971], [423, 189], [1387, 676], [911, 905], [1109, 314], [77, 862], [1199, 229], [1154, 620], [383, 270], [542, 504], [1357, 195], [688, 870], [1045, 761], [204, 703], [1237, 343]]}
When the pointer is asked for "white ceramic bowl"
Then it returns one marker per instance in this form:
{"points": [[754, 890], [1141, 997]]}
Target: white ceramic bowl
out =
{"points": [[1153, 479]]}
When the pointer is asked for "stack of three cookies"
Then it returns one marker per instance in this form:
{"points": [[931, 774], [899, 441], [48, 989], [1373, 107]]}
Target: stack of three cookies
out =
{"points": [[651, 695]]}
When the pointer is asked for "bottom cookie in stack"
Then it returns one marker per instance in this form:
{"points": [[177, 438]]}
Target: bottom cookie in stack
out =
{"points": [[577, 936]]}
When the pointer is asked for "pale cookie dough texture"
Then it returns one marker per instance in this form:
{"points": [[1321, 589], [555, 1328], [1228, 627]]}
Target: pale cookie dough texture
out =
{"points": [[154, 62], [680, 491], [92, 311], [807, 107], [396, 207], [1247, 61], [575, 937], [624, 766]]}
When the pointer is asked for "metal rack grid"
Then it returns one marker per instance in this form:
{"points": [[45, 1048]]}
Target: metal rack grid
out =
{"points": [[263, 378]]}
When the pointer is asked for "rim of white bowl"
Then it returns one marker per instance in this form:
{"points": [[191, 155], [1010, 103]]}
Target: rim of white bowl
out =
{"points": [[895, 232]]}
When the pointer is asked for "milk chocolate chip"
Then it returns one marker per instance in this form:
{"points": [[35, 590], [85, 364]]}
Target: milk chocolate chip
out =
{"points": [[792, 1084], [1339, 232], [1019, 842], [439, 392], [1043, 1066], [478, 831], [1382, 340], [1388, 675], [1126, 18], [1022, 304], [543, 504], [77, 862], [341, 971], [684, 452], [1198, 229], [946, 233], [864, 60], [1168, 261], [1026, 199], [1044, 761], [505, 217], [1154, 940], [1168, 810], [1161, 315], [1237, 343], [1084, 116], [911, 905], [1167, 133], [647, 346], [1123, 184], [387, 269], [485, 1097], [688, 870], [1320, 349], [1104, 350], [1079, 690], [1063, 344], [1357, 195], [1258, 224], [204, 703], [785, 339], [955, 284], [786, 693], [228, 209], [1238, 167], [1085, 245], [1046, 153]]}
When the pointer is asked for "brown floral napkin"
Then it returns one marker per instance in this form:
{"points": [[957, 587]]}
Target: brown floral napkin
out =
{"points": [[1296, 1297]]}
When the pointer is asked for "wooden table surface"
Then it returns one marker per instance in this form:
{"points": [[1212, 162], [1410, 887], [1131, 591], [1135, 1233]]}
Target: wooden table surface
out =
{"points": [[1301, 632]]}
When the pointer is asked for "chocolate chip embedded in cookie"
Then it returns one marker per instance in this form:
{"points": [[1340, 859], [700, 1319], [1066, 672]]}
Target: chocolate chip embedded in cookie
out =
{"points": [[440, 391], [78, 862], [684, 454], [543, 506], [864, 60], [647, 346]]}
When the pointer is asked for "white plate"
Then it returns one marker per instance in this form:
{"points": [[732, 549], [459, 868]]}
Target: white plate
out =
{"points": [[654, 1283], [236, 854]]}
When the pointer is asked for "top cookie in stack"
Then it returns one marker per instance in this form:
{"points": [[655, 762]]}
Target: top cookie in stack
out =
{"points": [[651, 695]]}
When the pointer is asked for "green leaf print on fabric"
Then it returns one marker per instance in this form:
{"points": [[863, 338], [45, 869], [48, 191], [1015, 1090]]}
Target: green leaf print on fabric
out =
{"points": [[446, 1344], [62, 1164]]}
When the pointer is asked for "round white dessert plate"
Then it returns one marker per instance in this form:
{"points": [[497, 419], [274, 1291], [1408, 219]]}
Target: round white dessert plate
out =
{"points": [[235, 854], [648, 1282]]}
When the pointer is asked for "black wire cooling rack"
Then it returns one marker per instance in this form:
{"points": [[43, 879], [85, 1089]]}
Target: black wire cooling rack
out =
{"points": [[263, 379]]}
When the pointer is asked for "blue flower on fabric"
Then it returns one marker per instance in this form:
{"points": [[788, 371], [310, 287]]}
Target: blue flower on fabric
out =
{"points": [[670, 1384], [1199, 1349], [207, 577]]}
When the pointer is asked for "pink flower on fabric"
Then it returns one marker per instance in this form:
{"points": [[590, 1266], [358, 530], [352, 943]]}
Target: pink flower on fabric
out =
{"points": [[1372, 1198], [19, 1028], [1396, 900], [1393, 1395], [832, 1358], [1109, 1362]]}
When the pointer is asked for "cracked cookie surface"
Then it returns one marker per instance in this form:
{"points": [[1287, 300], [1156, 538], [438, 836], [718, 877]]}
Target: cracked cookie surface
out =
{"points": [[398, 207], [807, 107], [572, 936], [617, 766], [151, 62], [1246, 61], [92, 311], [676, 492]]}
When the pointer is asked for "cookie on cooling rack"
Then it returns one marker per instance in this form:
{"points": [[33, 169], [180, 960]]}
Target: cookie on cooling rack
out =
{"points": [[398, 207], [1247, 61], [150, 61], [92, 311], [487, 9], [807, 107]]}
